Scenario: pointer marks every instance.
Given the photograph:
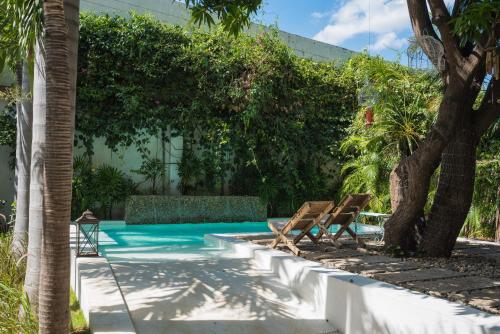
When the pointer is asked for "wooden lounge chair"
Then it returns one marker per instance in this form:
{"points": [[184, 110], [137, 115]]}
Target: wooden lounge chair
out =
{"points": [[344, 214], [308, 216]]}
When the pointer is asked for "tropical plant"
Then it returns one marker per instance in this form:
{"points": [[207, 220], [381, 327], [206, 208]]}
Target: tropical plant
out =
{"points": [[403, 112], [480, 221], [152, 169], [83, 192], [233, 15], [111, 186], [20, 25], [12, 298], [98, 188]]}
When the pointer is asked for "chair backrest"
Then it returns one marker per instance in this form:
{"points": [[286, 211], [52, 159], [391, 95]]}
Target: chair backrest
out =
{"points": [[348, 209], [308, 212]]}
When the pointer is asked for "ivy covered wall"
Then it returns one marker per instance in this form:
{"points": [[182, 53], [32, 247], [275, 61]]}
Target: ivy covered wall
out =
{"points": [[254, 118]]}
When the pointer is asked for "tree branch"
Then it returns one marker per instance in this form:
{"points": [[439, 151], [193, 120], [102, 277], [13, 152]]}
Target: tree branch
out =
{"points": [[420, 20], [441, 18], [422, 25]]}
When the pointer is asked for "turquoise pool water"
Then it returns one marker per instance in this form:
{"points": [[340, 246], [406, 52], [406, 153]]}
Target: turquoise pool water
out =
{"points": [[120, 242]]}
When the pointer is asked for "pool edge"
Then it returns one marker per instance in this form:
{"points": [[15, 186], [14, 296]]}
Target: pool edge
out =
{"points": [[98, 293], [357, 304]]}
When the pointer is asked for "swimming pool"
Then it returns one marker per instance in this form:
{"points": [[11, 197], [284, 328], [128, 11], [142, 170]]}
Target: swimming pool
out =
{"points": [[121, 242]]}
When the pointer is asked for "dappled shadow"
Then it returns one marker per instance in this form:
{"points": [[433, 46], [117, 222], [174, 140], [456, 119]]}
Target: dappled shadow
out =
{"points": [[221, 293]]}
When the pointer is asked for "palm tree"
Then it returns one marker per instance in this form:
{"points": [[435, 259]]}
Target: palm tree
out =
{"points": [[19, 25], [32, 278], [57, 153], [23, 160], [42, 224]]}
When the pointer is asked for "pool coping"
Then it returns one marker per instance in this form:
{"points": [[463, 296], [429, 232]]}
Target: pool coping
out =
{"points": [[357, 304], [98, 293]]}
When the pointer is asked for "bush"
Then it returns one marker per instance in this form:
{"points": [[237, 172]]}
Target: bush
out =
{"points": [[99, 188], [12, 297]]}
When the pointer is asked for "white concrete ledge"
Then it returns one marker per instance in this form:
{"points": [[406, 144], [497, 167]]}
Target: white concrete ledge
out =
{"points": [[356, 304], [99, 296]]}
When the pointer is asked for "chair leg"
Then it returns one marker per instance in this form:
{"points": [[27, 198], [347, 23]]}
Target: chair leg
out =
{"points": [[275, 242], [333, 238], [354, 235], [312, 237], [292, 247]]}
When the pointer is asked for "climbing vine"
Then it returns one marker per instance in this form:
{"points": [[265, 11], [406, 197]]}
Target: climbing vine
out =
{"points": [[255, 118]]}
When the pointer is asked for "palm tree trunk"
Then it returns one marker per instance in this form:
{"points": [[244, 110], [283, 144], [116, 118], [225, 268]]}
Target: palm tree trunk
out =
{"points": [[61, 41], [31, 282], [53, 310], [38, 157], [23, 162]]}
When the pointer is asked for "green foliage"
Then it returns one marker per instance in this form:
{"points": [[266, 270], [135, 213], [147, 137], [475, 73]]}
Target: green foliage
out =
{"points": [[98, 189], [480, 222], [78, 324], [12, 297], [20, 26], [252, 114], [152, 169], [476, 19], [404, 110], [8, 126], [234, 15]]}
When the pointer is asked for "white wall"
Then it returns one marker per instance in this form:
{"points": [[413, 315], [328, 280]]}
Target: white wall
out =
{"points": [[127, 159], [176, 13]]}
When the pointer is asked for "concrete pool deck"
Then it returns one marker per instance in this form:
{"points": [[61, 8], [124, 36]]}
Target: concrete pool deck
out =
{"points": [[234, 286], [220, 294], [218, 291]]}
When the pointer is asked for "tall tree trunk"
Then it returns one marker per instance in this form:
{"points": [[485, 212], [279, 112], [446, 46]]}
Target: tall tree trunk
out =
{"points": [[23, 162], [38, 170], [497, 217], [453, 196], [31, 282], [456, 180], [61, 43], [416, 170]]}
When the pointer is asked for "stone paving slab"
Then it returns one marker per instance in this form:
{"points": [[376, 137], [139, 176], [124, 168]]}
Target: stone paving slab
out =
{"points": [[417, 275], [493, 258], [469, 276], [457, 284], [342, 263], [486, 299], [337, 254], [374, 268], [476, 250]]}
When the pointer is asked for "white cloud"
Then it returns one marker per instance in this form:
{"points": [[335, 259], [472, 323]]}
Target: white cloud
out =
{"points": [[389, 40], [320, 15], [383, 18]]}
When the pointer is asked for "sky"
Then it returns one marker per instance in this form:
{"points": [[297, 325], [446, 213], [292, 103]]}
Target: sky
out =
{"points": [[380, 26]]}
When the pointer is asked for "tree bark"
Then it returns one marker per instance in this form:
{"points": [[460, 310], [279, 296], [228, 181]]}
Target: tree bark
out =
{"points": [[456, 181], [53, 310], [23, 162], [417, 169], [453, 196]]}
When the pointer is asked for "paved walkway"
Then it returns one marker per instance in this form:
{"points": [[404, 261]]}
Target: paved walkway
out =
{"points": [[214, 293], [471, 276]]}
